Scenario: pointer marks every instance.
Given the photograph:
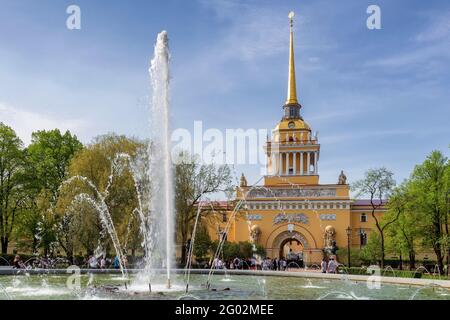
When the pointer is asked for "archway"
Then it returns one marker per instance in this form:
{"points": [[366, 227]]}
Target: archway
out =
{"points": [[289, 231], [290, 247]]}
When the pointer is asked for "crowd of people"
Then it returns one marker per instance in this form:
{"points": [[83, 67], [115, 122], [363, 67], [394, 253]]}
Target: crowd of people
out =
{"points": [[254, 264], [105, 263], [44, 262], [276, 264], [329, 266], [91, 262]]}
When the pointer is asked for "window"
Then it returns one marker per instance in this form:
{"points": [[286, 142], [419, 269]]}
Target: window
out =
{"points": [[224, 217], [292, 112], [363, 217]]}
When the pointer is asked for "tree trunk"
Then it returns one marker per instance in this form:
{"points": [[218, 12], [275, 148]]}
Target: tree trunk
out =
{"points": [[401, 262], [439, 258], [382, 249], [35, 244], [436, 245], [448, 261], [183, 248], [4, 242], [412, 260], [70, 257]]}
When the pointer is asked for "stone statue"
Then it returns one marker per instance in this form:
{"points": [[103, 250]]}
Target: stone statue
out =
{"points": [[255, 232], [329, 236], [342, 178], [243, 181]]}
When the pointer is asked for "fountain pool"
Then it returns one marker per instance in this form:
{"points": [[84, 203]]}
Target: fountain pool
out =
{"points": [[223, 287]]}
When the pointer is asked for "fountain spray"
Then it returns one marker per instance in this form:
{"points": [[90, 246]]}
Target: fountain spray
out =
{"points": [[160, 171]]}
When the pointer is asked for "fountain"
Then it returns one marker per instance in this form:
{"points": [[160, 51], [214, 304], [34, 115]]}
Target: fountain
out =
{"points": [[160, 169]]}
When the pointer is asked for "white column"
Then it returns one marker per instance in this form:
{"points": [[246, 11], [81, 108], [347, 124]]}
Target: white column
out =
{"points": [[287, 163], [280, 163], [294, 159], [315, 162], [272, 163], [308, 162], [301, 163]]}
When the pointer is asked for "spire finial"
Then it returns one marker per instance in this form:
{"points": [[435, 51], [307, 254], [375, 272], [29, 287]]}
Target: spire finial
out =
{"points": [[292, 87]]}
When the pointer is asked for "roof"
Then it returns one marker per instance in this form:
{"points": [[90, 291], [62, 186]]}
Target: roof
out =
{"points": [[299, 124], [366, 202], [215, 204]]}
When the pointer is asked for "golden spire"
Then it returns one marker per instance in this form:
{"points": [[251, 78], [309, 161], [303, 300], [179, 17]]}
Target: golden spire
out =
{"points": [[292, 87]]}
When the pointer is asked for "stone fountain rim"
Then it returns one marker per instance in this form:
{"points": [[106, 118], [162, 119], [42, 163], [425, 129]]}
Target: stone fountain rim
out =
{"points": [[308, 275]]}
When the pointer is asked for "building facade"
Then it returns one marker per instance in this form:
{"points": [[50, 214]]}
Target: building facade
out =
{"points": [[291, 212]]}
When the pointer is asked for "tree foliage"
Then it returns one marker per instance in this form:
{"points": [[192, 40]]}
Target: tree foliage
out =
{"points": [[12, 159], [378, 184], [195, 181]]}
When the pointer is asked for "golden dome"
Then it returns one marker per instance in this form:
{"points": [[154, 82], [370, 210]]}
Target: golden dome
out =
{"points": [[293, 124]]}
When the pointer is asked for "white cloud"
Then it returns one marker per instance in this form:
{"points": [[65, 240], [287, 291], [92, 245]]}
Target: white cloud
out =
{"points": [[438, 30], [25, 122], [426, 47]]}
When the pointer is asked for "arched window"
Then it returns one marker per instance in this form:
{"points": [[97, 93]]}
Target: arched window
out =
{"points": [[363, 217]]}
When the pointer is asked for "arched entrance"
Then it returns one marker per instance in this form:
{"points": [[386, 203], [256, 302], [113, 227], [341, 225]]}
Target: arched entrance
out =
{"points": [[290, 246], [290, 231]]}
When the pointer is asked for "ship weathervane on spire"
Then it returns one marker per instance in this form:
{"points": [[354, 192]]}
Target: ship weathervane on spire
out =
{"points": [[292, 86]]}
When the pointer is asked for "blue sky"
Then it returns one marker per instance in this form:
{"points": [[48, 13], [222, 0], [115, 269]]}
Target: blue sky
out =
{"points": [[377, 97]]}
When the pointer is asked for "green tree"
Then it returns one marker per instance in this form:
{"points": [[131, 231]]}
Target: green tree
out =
{"points": [[194, 181], [202, 244], [95, 163], [47, 163], [377, 185], [429, 188], [371, 252], [49, 156], [11, 182], [355, 256], [402, 238]]}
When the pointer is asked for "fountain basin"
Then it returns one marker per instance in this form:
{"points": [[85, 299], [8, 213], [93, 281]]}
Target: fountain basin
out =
{"points": [[225, 285]]}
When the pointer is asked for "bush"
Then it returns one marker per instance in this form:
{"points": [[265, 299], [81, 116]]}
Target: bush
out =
{"points": [[243, 249], [386, 273], [202, 245], [355, 258]]}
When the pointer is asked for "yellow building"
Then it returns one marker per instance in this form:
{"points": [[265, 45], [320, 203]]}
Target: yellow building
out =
{"points": [[291, 211]]}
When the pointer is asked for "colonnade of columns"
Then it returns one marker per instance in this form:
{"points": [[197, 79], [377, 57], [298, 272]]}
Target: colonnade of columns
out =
{"points": [[285, 163]]}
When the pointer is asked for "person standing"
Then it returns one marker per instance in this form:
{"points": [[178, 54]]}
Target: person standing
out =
{"points": [[323, 265], [103, 263], [116, 263], [93, 263], [275, 264], [332, 266]]}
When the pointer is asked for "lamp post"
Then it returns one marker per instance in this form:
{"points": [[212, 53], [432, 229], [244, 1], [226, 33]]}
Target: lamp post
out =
{"points": [[349, 233]]}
